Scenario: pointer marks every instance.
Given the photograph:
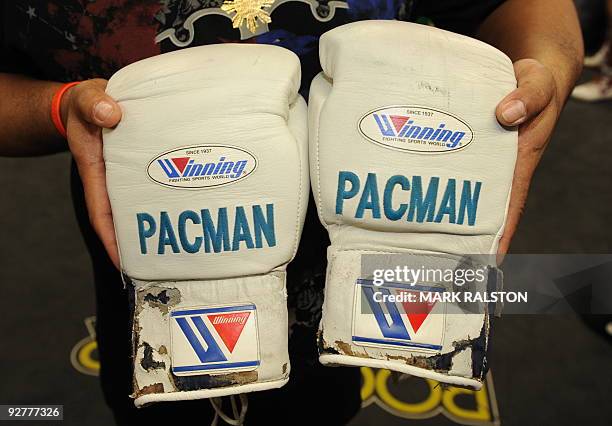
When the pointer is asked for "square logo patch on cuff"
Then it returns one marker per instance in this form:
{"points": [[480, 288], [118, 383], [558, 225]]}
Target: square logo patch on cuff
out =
{"points": [[214, 339], [398, 316]]}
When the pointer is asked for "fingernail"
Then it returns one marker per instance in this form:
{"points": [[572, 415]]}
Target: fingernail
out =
{"points": [[102, 110], [514, 112]]}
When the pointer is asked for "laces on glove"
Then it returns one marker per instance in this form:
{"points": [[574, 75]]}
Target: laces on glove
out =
{"points": [[238, 420]]}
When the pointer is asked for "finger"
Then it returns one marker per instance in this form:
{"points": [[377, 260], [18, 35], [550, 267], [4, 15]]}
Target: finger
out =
{"points": [[94, 105], [518, 198], [528, 157], [99, 208], [100, 213], [91, 109], [102, 222], [536, 89], [86, 146]]}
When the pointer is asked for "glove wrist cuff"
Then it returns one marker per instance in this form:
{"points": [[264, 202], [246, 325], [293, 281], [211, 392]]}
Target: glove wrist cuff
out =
{"points": [[426, 320], [203, 339]]}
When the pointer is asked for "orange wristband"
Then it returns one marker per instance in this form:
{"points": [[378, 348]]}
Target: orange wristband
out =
{"points": [[56, 102]]}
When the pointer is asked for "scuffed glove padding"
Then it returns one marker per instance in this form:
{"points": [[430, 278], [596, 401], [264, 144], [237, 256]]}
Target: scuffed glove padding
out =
{"points": [[208, 181], [409, 168]]}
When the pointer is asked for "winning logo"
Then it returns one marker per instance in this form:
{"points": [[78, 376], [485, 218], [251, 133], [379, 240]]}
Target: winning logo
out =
{"points": [[214, 340], [395, 315], [201, 166], [410, 128]]}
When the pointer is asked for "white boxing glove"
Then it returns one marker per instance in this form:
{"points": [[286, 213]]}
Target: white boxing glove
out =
{"points": [[410, 171], [208, 181]]}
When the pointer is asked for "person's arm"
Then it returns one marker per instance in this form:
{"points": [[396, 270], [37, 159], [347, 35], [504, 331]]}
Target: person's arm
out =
{"points": [[545, 30], [25, 108], [26, 128], [543, 39]]}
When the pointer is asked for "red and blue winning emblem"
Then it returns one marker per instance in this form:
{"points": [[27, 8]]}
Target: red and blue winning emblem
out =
{"points": [[219, 339]]}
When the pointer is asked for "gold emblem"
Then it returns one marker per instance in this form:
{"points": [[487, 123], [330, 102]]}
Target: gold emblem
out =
{"points": [[251, 12]]}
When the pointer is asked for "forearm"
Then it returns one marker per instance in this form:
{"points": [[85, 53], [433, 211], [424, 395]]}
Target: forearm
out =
{"points": [[545, 30], [26, 127]]}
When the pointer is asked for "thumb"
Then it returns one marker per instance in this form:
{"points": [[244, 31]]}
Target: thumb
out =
{"points": [[536, 89], [94, 106]]}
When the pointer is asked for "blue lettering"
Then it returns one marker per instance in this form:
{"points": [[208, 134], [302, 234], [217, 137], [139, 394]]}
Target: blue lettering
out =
{"points": [[423, 207], [447, 205], [241, 230], [187, 245], [385, 127], [168, 168], [369, 198], [144, 233], [469, 202], [166, 235], [217, 237], [390, 212], [264, 225], [343, 193], [425, 133], [455, 139]]}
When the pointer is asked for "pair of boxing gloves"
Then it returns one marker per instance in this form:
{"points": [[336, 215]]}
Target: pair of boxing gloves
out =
{"points": [[208, 175]]}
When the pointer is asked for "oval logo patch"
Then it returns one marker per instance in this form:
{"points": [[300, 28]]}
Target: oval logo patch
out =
{"points": [[416, 129], [201, 166]]}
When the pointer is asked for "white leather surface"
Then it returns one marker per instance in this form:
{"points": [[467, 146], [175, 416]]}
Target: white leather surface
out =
{"points": [[243, 96], [152, 324], [374, 64], [389, 67], [221, 105]]}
